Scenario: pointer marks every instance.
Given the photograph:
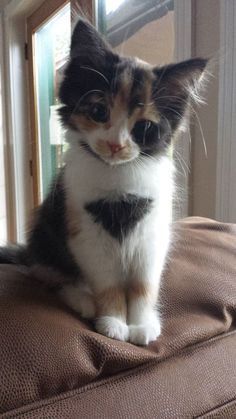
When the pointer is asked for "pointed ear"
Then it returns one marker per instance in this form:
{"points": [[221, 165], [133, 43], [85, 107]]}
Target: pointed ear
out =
{"points": [[87, 43], [176, 85], [90, 67]]}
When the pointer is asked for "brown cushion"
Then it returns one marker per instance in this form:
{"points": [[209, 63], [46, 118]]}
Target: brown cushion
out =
{"points": [[54, 365]]}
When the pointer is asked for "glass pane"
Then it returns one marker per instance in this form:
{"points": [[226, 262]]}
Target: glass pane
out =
{"points": [[139, 28], [52, 43]]}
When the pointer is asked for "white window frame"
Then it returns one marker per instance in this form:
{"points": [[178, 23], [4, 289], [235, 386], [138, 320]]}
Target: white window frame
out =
{"points": [[17, 120], [16, 116]]}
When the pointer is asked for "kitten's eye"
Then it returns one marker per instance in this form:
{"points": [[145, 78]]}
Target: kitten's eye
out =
{"points": [[98, 112], [141, 129]]}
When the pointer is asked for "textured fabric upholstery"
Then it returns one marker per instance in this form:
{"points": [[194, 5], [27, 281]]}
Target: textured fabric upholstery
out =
{"points": [[54, 365]]}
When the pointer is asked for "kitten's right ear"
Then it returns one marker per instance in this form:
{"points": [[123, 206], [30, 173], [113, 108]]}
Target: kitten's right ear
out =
{"points": [[87, 43], [90, 67]]}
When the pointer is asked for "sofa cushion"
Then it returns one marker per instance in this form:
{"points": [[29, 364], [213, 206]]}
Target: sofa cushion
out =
{"points": [[53, 364]]}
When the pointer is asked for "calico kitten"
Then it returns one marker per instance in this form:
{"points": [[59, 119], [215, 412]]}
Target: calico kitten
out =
{"points": [[104, 228]]}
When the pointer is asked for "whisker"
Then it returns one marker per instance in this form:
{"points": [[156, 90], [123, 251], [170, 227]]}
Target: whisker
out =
{"points": [[187, 103], [95, 71], [182, 167], [83, 96], [201, 130], [180, 117], [197, 99], [182, 159], [142, 153]]}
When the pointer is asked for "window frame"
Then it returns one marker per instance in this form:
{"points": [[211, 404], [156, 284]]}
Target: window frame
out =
{"points": [[45, 12]]}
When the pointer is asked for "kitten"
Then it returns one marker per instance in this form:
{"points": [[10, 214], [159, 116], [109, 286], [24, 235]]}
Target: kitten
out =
{"points": [[104, 228]]}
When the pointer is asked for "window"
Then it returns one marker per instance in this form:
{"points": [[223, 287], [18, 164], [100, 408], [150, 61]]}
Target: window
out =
{"points": [[142, 29], [51, 47], [49, 34]]}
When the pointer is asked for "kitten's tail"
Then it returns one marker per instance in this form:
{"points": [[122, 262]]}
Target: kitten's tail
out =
{"points": [[14, 255]]}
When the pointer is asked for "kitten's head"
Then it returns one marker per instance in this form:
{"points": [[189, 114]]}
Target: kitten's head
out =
{"points": [[121, 107]]}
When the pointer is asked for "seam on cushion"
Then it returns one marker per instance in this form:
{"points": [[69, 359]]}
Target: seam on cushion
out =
{"points": [[115, 378], [218, 409]]}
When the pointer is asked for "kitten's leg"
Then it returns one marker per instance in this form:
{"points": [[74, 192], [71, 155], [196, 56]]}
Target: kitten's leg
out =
{"points": [[112, 313], [143, 317], [108, 306], [80, 298], [98, 257]]}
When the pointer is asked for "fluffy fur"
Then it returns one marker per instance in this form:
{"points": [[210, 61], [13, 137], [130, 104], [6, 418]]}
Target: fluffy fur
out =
{"points": [[105, 226]]}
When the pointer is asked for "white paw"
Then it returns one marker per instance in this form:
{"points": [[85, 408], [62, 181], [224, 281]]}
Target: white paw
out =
{"points": [[112, 328], [145, 333]]}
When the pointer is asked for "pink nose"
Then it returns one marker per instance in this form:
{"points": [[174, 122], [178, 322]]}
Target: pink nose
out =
{"points": [[114, 147]]}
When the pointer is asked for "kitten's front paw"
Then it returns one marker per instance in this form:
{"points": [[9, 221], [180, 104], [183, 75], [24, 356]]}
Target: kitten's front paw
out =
{"points": [[145, 333], [112, 328]]}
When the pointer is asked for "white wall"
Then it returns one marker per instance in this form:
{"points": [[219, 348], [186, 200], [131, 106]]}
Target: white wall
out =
{"points": [[3, 210]]}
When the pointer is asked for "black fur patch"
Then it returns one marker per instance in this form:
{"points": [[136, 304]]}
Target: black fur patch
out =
{"points": [[47, 243], [155, 140], [171, 88], [46, 251], [90, 55], [119, 217], [14, 254]]}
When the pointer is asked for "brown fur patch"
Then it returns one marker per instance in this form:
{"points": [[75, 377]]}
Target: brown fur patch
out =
{"points": [[139, 289], [125, 87], [112, 301], [119, 108], [82, 122], [102, 148], [145, 108]]}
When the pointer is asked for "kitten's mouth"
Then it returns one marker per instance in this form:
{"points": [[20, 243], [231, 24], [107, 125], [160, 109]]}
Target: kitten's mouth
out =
{"points": [[112, 159]]}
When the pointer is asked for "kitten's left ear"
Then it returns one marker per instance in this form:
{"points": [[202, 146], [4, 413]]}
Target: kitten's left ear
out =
{"points": [[175, 85]]}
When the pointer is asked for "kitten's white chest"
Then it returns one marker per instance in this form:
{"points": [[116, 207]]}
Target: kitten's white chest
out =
{"points": [[88, 179], [105, 254]]}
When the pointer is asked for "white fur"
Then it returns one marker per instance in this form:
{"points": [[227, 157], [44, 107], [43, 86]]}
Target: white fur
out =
{"points": [[103, 260], [113, 328]]}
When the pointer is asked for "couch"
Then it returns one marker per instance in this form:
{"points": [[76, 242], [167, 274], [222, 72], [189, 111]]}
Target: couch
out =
{"points": [[54, 365]]}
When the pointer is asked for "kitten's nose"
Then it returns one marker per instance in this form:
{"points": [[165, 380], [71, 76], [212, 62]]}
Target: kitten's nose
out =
{"points": [[115, 147]]}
